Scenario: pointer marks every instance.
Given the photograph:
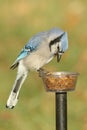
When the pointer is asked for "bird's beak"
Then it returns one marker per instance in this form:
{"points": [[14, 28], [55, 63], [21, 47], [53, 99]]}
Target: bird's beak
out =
{"points": [[59, 55]]}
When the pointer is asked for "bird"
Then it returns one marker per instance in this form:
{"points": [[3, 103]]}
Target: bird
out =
{"points": [[38, 51]]}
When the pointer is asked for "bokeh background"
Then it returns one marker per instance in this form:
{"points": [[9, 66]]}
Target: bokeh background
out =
{"points": [[19, 21]]}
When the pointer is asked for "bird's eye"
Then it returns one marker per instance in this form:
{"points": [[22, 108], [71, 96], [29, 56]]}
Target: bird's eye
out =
{"points": [[60, 51]]}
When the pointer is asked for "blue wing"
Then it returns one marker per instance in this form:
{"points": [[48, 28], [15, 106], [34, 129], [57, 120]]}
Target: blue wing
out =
{"points": [[34, 43], [25, 51], [31, 46]]}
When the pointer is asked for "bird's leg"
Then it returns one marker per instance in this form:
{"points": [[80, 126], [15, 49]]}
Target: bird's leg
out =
{"points": [[41, 70]]}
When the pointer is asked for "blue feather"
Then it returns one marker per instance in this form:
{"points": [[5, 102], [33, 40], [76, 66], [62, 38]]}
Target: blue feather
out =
{"points": [[32, 45], [64, 42], [36, 40], [25, 51]]}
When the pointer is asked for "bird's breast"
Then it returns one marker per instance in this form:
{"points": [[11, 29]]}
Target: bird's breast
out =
{"points": [[36, 60]]}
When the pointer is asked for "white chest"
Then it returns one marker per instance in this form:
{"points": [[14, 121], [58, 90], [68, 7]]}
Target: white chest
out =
{"points": [[37, 60]]}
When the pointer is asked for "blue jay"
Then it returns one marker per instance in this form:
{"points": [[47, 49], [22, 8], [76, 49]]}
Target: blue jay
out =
{"points": [[39, 51]]}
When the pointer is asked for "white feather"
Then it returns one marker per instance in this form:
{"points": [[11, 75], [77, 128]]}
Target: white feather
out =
{"points": [[13, 98]]}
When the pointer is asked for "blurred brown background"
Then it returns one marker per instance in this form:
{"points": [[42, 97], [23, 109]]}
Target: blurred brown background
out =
{"points": [[19, 21]]}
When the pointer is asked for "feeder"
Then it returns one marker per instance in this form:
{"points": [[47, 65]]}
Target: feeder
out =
{"points": [[60, 83]]}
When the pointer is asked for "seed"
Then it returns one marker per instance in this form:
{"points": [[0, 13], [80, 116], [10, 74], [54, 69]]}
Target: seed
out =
{"points": [[60, 83]]}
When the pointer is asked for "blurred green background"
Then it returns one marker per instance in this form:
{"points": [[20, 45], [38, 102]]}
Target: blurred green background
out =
{"points": [[19, 21]]}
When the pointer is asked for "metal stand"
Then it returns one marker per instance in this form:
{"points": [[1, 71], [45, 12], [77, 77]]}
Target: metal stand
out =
{"points": [[61, 110], [60, 83]]}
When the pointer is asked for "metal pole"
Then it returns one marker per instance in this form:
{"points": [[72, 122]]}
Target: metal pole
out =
{"points": [[60, 83], [61, 110]]}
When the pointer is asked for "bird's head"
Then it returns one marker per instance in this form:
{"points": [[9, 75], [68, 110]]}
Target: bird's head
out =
{"points": [[59, 44]]}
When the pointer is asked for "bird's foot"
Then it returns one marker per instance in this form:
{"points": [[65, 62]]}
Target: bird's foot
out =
{"points": [[41, 72]]}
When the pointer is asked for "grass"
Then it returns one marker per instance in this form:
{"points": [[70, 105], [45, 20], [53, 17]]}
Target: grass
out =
{"points": [[19, 20]]}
